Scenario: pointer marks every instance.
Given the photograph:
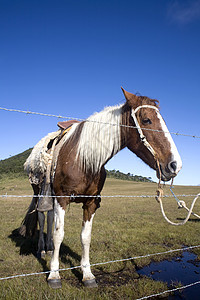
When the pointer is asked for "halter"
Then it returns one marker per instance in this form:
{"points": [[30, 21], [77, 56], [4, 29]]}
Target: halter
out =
{"points": [[141, 134]]}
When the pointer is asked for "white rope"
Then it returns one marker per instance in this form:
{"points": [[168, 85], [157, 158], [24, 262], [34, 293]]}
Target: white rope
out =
{"points": [[103, 263], [181, 203], [79, 119], [159, 199]]}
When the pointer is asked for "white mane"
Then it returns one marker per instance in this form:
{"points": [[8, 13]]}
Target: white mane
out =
{"points": [[99, 140]]}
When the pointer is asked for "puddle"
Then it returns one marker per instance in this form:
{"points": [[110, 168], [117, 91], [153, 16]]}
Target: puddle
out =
{"points": [[184, 269]]}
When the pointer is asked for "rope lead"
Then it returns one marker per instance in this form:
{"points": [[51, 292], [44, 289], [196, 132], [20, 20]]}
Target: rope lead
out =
{"points": [[181, 204]]}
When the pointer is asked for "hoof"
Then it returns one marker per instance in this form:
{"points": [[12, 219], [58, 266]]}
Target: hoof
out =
{"points": [[41, 254], [55, 283], [90, 283], [50, 253]]}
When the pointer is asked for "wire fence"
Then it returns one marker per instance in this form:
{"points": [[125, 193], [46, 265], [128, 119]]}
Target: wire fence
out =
{"points": [[104, 123], [118, 261], [106, 196], [97, 196], [170, 291]]}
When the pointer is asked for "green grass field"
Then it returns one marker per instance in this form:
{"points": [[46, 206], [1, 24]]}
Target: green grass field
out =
{"points": [[123, 227]]}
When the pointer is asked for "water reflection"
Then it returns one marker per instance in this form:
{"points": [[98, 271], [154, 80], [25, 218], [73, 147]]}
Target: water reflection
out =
{"points": [[184, 269]]}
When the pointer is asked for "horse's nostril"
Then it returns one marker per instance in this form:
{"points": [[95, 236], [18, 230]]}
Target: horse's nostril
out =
{"points": [[173, 166]]}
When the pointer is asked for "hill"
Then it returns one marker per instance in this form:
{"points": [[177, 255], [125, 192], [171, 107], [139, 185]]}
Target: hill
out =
{"points": [[119, 175], [14, 165]]}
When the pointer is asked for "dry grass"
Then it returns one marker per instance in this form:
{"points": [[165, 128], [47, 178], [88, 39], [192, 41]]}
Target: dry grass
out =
{"points": [[123, 227]]}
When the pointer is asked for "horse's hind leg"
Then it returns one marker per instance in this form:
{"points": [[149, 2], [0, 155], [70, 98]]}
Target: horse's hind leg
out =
{"points": [[54, 277], [49, 239], [41, 243], [88, 215]]}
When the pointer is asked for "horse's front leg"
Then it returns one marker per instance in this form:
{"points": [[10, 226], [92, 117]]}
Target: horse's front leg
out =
{"points": [[54, 280], [88, 215]]}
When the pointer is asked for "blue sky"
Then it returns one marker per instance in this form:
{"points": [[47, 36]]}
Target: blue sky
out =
{"points": [[71, 58]]}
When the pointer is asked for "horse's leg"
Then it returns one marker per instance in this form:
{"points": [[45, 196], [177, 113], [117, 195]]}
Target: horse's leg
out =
{"points": [[54, 277], [49, 240], [88, 277], [41, 243], [88, 215]]}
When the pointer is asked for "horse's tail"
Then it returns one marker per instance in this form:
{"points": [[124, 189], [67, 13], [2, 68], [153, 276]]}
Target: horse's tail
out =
{"points": [[29, 223]]}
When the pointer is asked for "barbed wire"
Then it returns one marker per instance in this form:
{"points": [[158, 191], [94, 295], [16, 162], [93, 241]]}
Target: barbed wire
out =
{"points": [[103, 263], [104, 123], [96, 196], [38, 113], [117, 261], [170, 291], [104, 196]]}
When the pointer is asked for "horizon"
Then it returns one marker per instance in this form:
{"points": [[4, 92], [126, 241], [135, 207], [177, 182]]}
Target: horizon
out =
{"points": [[110, 170]]}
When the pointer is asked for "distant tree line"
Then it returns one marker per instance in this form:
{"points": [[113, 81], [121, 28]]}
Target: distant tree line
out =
{"points": [[119, 175]]}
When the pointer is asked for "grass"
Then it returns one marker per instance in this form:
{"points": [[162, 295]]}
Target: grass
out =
{"points": [[123, 227]]}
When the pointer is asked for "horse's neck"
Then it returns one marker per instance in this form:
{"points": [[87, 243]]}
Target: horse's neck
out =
{"points": [[126, 129], [101, 138]]}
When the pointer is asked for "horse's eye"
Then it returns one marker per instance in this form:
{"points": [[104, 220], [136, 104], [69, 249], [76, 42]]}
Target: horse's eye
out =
{"points": [[146, 121]]}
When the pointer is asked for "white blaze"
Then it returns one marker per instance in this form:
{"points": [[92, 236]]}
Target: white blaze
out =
{"points": [[175, 155]]}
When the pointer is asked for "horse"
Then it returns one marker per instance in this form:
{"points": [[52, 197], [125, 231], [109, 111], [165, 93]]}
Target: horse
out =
{"points": [[79, 167]]}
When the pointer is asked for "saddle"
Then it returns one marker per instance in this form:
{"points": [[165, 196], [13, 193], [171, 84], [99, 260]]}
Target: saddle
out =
{"points": [[66, 124]]}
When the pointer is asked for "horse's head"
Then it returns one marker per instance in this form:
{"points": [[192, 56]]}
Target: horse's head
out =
{"points": [[151, 140]]}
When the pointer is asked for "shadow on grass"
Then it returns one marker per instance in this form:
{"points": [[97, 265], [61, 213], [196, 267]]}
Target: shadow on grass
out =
{"points": [[28, 246], [190, 220], [119, 277]]}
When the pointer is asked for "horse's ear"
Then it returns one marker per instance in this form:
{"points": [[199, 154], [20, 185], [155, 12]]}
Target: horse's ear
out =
{"points": [[131, 99]]}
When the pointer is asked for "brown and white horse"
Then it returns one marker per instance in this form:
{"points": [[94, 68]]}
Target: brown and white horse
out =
{"points": [[89, 145]]}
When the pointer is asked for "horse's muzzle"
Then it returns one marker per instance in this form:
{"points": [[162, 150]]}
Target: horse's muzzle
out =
{"points": [[168, 172]]}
